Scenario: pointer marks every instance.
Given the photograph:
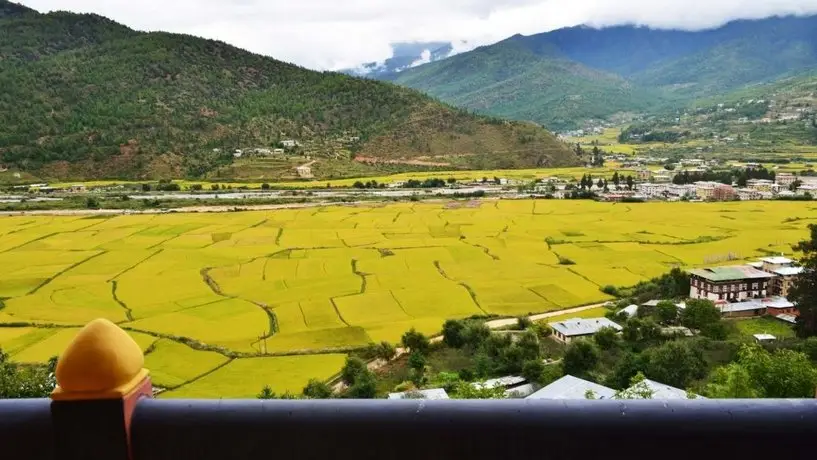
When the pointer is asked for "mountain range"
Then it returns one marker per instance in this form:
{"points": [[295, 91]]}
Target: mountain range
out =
{"points": [[564, 77], [86, 97]]}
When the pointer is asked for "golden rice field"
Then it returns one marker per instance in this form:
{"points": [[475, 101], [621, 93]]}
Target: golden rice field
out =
{"points": [[277, 297]]}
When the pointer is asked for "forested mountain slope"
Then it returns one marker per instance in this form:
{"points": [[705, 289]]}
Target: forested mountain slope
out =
{"points": [[563, 77], [84, 96]]}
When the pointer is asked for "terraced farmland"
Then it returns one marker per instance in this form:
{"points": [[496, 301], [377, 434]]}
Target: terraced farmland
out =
{"points": [[216, 298]]}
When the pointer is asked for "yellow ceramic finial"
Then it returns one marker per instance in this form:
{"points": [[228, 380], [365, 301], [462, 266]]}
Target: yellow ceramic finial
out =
{"points": [[102, 362]]}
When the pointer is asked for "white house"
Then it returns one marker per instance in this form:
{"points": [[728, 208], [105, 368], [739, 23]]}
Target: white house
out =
{"points": [[571, 329], [289, 143]]}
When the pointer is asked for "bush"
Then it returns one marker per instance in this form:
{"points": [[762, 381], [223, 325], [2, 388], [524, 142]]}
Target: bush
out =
{"points": [[523, 323], [92, 203], [317, 389], [353, 368], [533, 370], [417, 361], [542, 329], [265, 186], [610, 290], [475, 334]]}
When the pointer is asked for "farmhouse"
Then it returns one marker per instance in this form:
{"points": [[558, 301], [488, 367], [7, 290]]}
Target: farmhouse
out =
{"points": [[576, 328], [304, 172], [785, 179], [289, 143], [731, 283]]}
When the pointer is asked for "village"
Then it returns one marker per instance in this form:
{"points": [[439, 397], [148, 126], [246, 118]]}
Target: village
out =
{"points": [[757, 289]]}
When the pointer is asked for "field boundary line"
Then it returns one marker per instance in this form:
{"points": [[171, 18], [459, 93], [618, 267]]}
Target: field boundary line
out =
{"points": [[136, 264], [62, 272], [462, 284], [199, 377], [128, 311], [337, 311], [397, 301]]}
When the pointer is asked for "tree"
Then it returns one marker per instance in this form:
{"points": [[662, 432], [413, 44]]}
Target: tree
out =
{"points": [[417, 361], [542, 329], [523, 323], [804, 291], [475, 334], [454, 333], [415, 341], [675, 363], [758, 373], [266, 393], [581, 356], [451, 181], [616, 179], [385, 351], [365, 386], [26, 381], [265, 186], [667, 312], [600, 183], [532, 370], [630, 182], [317, 389], [477, 390], [606, 338], [638, 389], [731, 381], [700, 313], [626, 367], [92, 203], [353, 368]]}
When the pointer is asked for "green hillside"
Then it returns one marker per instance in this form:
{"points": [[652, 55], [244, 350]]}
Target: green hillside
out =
{"points": [[85, 97], [510, 80], [567, 77]]}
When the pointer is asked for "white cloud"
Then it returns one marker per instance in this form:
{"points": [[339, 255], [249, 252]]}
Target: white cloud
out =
{"points": [[332, 34]]}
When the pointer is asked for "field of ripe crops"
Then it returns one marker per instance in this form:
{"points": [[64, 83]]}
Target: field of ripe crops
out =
{"points": [[306, 285]]}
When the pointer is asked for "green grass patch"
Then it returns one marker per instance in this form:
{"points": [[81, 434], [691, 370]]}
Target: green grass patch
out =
{"points": [[775, 327]]}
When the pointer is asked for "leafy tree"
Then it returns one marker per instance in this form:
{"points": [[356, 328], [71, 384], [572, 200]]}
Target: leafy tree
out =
{"points": [[581, 356], [415, 341], [477, 390], [638, 389], [92, 203], [532, 370], [265, 186], [606, 338], [625, 369], [385, 351], [616, 179], [353, 368], [804, 291], [446, 380], [700, 313], [454, 333], [630, 183], [542, 329], [266, 393], [731, 381], [417, 361], [476, 333], [523, 323], [365, 386], [26, 381], [528, 343], [317, 389], [641, 330], [675, 363], [667, 312]]}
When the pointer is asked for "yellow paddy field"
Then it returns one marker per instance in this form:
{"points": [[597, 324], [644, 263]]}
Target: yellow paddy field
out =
{"points": [[260, 294]]}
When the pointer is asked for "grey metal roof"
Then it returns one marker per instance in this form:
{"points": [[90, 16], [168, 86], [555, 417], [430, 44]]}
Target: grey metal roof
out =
{"points": [[579, 326], [787, 318], [434, 393], [521, 391], [501, 382], [662, 391], [779, 260], [569, 387]]}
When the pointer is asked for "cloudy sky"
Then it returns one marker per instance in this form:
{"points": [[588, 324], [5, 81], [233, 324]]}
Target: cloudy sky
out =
{"points": [[335, 34]]}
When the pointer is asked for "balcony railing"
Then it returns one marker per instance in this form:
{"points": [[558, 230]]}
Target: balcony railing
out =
{"points": [[123, 422]]}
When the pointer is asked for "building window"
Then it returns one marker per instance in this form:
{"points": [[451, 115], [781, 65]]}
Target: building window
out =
{"points": [[754, 286]]}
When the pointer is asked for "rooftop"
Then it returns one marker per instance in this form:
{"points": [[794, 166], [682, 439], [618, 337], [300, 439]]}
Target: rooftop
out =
{"points": [[569, 387], [779, 260], [787, 318], [579, 326], [789, 271], [754, 304], [501, 382], [731, 273], [434, 393]]}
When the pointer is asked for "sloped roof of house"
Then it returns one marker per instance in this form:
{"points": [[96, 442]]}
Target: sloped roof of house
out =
{"points": [[731, 273], [662, 391], [579, 326], [778, 260], [569, 387], [508, 381]]}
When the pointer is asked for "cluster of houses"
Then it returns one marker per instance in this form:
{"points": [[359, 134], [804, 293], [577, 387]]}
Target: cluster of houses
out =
{"points": [[755, 289]]}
